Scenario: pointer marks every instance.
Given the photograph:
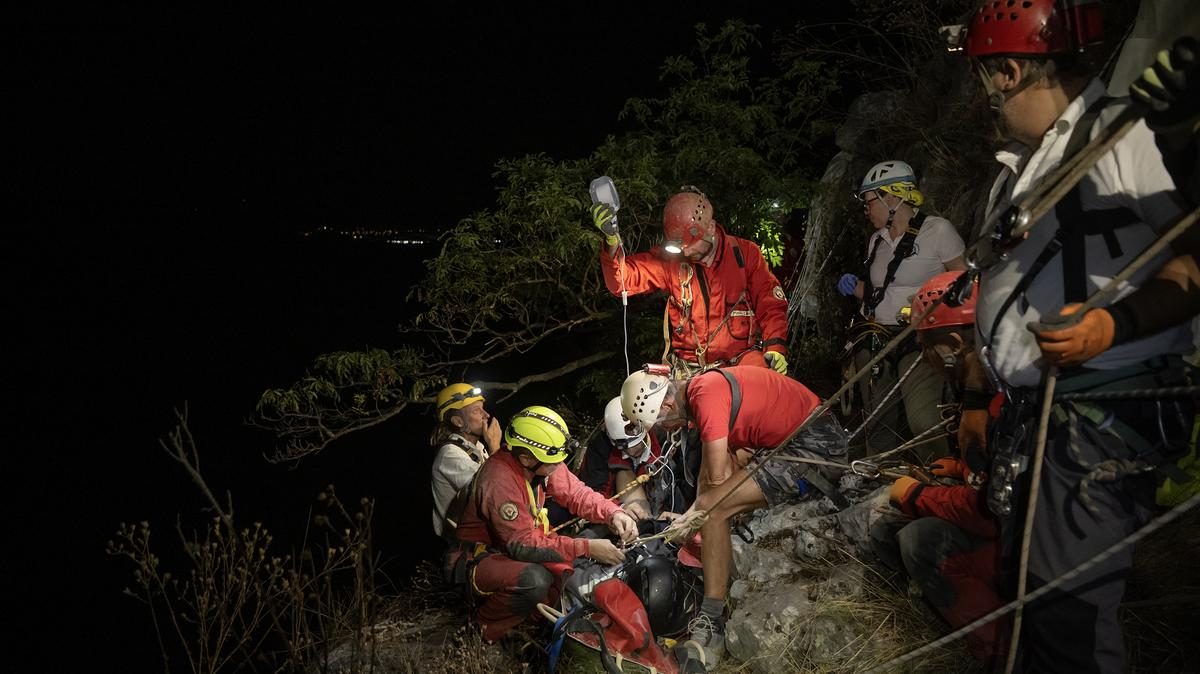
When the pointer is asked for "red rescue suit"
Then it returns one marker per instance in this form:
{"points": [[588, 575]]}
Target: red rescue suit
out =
{"points": [[715, 314], [505, 519], [952, 551]]}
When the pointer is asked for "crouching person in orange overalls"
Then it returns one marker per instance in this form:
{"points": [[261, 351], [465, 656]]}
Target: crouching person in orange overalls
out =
{"points": [[506, 552], [945, 538]]}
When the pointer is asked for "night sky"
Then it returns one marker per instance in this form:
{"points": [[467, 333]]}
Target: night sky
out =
{"points": [[162, 162]]}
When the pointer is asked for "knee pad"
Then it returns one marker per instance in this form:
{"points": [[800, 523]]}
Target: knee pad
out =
{"points": [[532, 586]]}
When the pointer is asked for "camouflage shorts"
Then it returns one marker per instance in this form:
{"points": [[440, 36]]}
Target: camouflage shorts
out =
{"points": [[783, 481]]}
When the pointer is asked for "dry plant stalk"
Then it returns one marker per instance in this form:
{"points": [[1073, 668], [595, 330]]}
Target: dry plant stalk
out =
{"points": [[239, 603]]}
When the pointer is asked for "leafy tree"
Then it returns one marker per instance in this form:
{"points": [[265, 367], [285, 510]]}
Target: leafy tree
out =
{"points": [[522, 277]]}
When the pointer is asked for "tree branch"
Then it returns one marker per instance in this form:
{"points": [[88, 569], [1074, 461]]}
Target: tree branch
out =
{"points": [[568, 368]]}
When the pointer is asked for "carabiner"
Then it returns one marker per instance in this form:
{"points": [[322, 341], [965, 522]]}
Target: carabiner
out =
{"points": [[864, 469]]}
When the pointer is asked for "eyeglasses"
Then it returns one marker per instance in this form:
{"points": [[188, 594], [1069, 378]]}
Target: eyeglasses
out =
{"points": [[459, 397], [866, 203]]}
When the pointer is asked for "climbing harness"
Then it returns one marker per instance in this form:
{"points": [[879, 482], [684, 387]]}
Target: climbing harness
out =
{"points": [[681, 369], [1050, 381], [904, 249]]}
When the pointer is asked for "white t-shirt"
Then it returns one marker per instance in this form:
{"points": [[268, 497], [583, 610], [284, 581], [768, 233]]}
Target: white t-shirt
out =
{"points": [[937, 243], [1131, 175], [453, 469]]}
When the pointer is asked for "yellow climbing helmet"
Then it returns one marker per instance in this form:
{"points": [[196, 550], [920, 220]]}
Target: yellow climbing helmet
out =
{"points": [[456, 397], [540, 430]]}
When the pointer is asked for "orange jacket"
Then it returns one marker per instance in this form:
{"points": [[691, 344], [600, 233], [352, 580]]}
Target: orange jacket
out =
{"points": [[502, 515], [725, 309]]}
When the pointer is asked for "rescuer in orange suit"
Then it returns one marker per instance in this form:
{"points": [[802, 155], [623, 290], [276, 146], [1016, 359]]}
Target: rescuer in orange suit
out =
{"points": [[724, 307]]}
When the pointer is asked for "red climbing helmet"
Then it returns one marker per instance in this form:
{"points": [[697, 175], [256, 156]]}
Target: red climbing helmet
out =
{"points": [[1034, 27], [687, 218], [944, 315]]}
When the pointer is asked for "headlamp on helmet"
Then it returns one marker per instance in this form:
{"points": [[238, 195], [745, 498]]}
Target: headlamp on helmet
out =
{"points": [[456, 397], [687, 218]]}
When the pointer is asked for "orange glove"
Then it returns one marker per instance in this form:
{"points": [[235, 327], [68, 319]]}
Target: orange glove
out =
{"points": [[1081, 342], [973, 429], [948, 466], [901, 491]]}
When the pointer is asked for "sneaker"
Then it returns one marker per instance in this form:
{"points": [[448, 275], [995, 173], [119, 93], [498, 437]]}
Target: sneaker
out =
{"points": [[705, 644]]}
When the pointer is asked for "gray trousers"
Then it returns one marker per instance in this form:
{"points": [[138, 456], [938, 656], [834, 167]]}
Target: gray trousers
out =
{"points": [[918, 400], [1076, 628]]}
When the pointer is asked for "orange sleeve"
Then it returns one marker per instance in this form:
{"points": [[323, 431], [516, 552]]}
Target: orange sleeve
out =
{"points": [[641, 272], [770, 302]]}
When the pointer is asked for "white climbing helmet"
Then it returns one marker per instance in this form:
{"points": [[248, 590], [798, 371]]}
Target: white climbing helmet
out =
{"points": [[641, 397], [615, 424], [886, 173], [894, 177]]}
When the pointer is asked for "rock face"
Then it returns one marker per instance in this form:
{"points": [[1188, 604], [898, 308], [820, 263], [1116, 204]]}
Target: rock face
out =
{"points": [[939, 124], [800, 567]]}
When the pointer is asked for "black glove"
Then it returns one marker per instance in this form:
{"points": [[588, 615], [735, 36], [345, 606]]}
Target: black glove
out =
{"points": [[1170, 87], [1170, 91]]}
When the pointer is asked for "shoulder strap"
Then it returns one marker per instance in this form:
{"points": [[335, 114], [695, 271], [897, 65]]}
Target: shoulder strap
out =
{"points": [[737, 255], [461, 444], [1039, 263], [458, 505], [1075, 223], [868, 287], [735, 401], [903, 250]]}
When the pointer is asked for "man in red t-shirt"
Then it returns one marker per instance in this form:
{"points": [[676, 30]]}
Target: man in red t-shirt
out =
{"points": [[737, 410]]}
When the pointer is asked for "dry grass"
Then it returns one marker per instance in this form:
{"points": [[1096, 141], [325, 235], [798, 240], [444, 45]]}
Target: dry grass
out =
{"points": [[874, 626], [1162, 600]]}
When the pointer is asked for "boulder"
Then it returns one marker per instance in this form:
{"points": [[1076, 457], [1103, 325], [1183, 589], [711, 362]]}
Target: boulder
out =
{"points": [[855, 522], [760, 565], [761, 628]]}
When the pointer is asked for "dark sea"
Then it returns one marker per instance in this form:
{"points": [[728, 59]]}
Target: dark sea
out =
{"points": [[120, 324]]}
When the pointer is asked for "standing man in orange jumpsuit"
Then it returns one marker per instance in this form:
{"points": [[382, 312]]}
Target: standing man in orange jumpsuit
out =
{"points": [[724, 307]]}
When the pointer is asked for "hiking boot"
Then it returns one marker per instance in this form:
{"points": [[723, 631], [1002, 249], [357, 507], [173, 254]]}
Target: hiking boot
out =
{"points": [[704, 646]]}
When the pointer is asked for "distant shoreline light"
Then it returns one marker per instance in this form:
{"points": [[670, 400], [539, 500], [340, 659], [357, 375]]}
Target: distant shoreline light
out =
{"points": [[388, 236]]}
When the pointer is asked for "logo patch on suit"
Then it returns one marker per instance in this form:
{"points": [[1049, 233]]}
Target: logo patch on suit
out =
{"points": [[778, 293], [508, 511]]}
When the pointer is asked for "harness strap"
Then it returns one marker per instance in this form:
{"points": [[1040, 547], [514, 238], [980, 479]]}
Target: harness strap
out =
{"points": [[735, 393], [540, 514], [1039, 263], [1076, 223], [1073, 227], [904, 249]]}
